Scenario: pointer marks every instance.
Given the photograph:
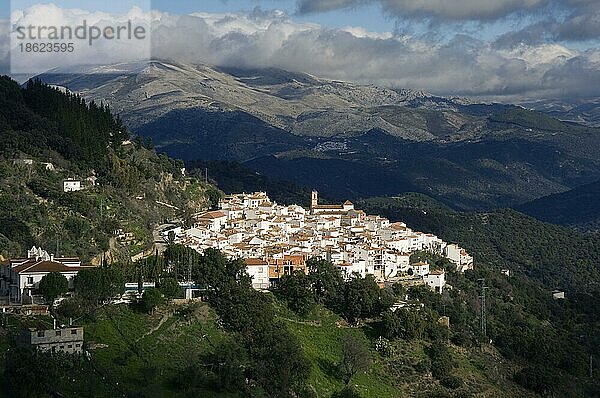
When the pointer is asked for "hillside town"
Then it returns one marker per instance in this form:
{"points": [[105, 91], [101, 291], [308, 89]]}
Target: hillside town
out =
{"points": [[276, 240]]}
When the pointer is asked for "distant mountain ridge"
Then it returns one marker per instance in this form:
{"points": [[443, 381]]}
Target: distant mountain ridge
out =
{"points": [[585, 111], [578, 207], [298, 103], [346, 139]]}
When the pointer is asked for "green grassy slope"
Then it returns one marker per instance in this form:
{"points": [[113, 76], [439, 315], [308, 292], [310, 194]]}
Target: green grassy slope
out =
{"points": [[403, 373], [144, 353]]}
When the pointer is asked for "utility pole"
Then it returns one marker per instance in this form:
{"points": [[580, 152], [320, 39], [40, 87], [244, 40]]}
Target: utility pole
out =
{"points": [[190, 273], [206, 175], [482, 320]]}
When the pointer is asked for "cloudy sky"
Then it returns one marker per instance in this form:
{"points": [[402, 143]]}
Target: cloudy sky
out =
{"points": [[508, 50]]}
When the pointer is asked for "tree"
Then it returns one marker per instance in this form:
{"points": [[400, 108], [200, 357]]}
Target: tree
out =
{"points": [[361, 298], [214, 271], [99, 284], [276, 360], [355, 358], [296, 290], [538, 378], [53, 285], [327, 282], [73, 307], [442, 361], [280, 364], [227, 364], [406, 323], [151, 298], [170, 288]]}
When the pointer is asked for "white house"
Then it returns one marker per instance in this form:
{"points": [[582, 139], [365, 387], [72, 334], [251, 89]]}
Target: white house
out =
{"points": [[71, 185], [258, 270], [21, 277], [420, 268], [458, 256], [215, 219], [348, 269], [435, 280], [23, 162]]}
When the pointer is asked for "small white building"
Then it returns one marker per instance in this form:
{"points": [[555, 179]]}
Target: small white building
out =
{"points": [[420, 269], [215, 219], [357, 267], [23, 162], [258, 270], [458, 256], [71, 185], [436, 280]]}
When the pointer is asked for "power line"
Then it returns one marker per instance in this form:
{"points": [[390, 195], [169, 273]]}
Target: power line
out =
{"points": [[483, 315]]}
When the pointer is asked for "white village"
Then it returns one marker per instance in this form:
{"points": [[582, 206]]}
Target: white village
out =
{"points": [[276, 240]]}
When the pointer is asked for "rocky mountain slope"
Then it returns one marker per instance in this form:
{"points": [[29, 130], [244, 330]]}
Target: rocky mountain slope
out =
{"points": [[585, 111], [372, 140]]}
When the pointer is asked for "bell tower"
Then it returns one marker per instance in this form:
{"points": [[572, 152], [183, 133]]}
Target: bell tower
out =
{"points": [[314, 199]]}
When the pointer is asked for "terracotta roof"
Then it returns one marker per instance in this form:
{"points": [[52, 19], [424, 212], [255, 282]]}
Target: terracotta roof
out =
{"points": [[255, 262], [213, 214], [45, 266], [436, 272]]}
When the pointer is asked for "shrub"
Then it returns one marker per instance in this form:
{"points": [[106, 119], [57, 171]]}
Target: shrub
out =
{"points": [[151, 299], [170, 288], [53, 285], [451, 381]]}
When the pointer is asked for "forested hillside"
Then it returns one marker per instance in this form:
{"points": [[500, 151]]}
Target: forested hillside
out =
{"points": [[552, 336], [578, 207], [128, 187]]}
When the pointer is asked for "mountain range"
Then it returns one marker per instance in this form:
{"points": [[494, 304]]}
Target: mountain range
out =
{"points": [[346, 139]]}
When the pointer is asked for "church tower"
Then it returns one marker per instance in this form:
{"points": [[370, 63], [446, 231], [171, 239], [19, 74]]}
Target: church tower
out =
{"points": [[314, 200]]}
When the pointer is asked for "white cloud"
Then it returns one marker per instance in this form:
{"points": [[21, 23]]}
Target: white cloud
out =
{"points": [[45, 17], [461, 66]]}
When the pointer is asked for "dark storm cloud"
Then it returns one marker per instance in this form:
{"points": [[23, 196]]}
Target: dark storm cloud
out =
{"points": [[570, 20], [436, 9], [582, 24]]}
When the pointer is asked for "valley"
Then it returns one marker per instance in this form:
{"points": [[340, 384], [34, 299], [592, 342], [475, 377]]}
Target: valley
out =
{"points": [[373, 141]]}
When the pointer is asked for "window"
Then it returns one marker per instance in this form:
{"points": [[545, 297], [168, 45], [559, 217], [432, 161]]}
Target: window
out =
{"points": [[41, 333], [73, 331], [77, 345], [30, 280], [62, 347], [70, 346], [58, 332]]}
